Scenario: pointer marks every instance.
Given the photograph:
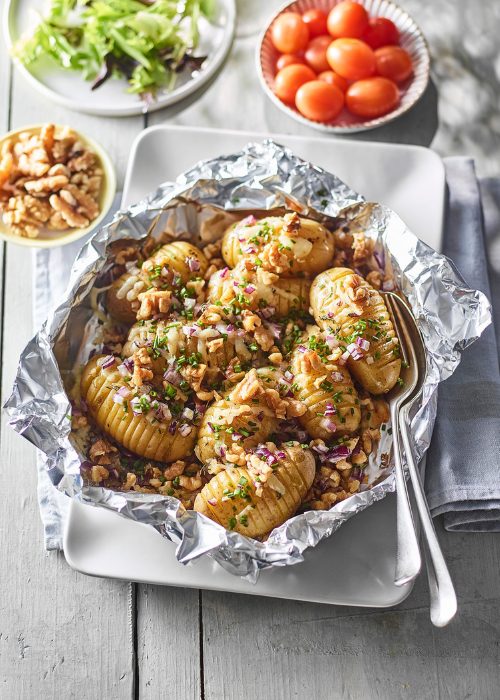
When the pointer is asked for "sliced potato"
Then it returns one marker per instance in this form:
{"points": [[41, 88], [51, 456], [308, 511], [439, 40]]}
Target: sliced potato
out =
{"points": [[136, 433], [166, 340], [307, 247], [223, 419], [284, 296], [328, 393], [345, 305], [252, 515], [159, 271]]}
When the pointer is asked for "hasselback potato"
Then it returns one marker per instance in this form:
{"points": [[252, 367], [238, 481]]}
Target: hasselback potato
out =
{"points": [[282, 297], [347, 306], [306, 246], [166, 340], [243, 417], [168, 269], [153, 439], [230, 497], [326, 389]]}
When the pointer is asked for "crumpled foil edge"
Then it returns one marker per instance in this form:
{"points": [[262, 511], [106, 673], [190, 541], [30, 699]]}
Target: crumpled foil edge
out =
{"points": [[450, 317]]}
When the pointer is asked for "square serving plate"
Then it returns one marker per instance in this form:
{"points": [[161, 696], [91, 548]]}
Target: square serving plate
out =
{"points": [[355, 566]]}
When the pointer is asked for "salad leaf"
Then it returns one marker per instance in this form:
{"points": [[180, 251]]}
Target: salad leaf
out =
{"points": [[147, 43]]}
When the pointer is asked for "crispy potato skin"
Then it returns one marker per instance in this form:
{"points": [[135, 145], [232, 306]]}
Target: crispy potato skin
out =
{"points": [[285, 295], [343, 396], [332, 300], [173, 256], [216, 414], [135, 433], [295, 473], [269, 230]]}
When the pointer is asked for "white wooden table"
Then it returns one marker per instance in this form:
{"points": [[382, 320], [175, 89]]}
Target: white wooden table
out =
{"points": [[64, 635]]}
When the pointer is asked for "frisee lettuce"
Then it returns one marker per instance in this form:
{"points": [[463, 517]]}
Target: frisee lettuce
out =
{"points": [[147, 43]]}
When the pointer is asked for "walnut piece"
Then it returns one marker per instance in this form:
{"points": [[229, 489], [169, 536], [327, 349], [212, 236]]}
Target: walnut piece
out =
{"points": [[153, 303], [56, 169]]}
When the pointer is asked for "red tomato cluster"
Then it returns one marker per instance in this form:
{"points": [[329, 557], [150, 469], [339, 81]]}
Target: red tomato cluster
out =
{"points": [[343, 58]]}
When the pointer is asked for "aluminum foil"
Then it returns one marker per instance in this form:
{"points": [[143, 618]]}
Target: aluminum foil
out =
{"points": [[197, 207]]}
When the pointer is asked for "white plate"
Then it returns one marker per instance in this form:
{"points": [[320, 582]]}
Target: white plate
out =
{"points": [[356, 565], [68, 88], [411, 39]]}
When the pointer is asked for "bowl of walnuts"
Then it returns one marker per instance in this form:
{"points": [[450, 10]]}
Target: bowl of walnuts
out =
{"points": [[56, 185]]}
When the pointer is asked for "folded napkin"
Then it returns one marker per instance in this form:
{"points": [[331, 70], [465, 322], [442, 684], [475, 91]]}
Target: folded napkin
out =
{"points": [[463, 465]]}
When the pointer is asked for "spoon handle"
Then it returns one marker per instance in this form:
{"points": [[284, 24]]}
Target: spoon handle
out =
{"points": [[408, 559], [443, 600]]}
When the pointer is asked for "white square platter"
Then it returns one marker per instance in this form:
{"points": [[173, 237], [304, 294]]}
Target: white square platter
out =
{"points": [[355, 566]]}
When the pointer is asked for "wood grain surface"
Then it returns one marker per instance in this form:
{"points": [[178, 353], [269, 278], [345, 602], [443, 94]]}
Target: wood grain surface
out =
{"points": [[64, 635]]}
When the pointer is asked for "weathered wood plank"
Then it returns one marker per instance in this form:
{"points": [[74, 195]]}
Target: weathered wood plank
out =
{"points": [[168, 643], [62, 634], [256, 648]]}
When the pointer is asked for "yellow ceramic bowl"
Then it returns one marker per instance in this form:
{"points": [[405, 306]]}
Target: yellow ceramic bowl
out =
{"points": [[50, 239]]}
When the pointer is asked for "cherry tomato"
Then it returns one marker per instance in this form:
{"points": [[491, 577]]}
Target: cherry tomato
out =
{"points": [[394, 63], [349, 19], [289, 79], [351, 58], [289, 33], [381, 32], [319, 101], [334, 79], [372, 97], [316, 22], [315, 54], [288, 59]]}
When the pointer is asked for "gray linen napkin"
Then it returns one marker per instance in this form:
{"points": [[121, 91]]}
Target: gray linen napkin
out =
{"points": [[463, 465]]}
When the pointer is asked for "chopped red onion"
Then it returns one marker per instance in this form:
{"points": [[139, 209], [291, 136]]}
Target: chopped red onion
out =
{"points": [[275, 329], [188, 413], [280, 454], [388, 286], [363, 343], [123, 370], [106, 362], [118, 399], [236, 436], [268, 312], [210, 425], [220, 450], [162, 412], [337, 376], [189, 303], [329, 425], [247, 221], [320, 448], [172, 427], [190, 331], [260, 416], [337, 453], [129, 364], [250, 249], [288, 376], [249, 289], [332, 342], [185, 429], [193, 264], [354, 351], [230, 328], [172, 375], [212, 501], [124, 392], [224, 272], [330, 409], [301, 348], [136, 406]]}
